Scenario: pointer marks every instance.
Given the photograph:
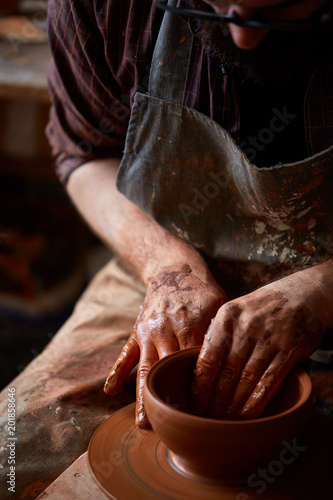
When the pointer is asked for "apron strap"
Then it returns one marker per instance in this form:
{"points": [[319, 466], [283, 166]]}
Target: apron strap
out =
{"points": [[171, 59]]}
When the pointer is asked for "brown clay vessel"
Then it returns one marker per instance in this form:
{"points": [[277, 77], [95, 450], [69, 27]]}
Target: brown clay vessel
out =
{"points": [[221, 451]]}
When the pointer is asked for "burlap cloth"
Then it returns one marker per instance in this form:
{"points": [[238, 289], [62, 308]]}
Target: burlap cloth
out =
{"points": [[59, 397]]}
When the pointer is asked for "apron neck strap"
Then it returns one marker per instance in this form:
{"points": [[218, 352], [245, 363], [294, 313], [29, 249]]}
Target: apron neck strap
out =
{"points": [[171, 59]]}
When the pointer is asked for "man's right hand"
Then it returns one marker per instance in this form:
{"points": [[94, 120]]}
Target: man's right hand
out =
{"points": [[182, 296], [179, 306]]}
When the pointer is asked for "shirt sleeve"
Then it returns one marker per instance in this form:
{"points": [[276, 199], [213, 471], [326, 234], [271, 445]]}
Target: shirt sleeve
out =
{"points": [[89, 111]]}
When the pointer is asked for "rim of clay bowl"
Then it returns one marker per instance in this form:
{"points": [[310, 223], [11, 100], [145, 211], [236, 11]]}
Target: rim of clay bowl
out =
{"points": [[303, 378]]}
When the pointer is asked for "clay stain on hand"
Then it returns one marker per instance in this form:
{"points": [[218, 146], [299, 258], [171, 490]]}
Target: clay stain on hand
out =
{"points": [[173, 279]]}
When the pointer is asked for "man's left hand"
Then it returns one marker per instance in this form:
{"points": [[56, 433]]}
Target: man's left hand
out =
{"points": [[253, 343]]}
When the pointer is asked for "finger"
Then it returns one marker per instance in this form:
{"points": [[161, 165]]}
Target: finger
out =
{"points": [[189, 327], [250, 376], [163, 336], [127, 360], [192, 334], [268, 385], [166, 347], [225, 386], [211, 356], [148, 358], [229, 377], [188, 337]]}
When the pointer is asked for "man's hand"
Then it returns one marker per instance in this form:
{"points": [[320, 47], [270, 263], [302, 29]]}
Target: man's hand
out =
{"points": [[261, 335], [253, 343], [179, 306]]}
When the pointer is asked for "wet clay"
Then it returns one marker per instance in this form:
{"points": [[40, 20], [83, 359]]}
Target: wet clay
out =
{"points": [[173, 279]]}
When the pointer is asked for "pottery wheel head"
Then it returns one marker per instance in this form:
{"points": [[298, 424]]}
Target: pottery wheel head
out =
{"points": [[130, 463]]}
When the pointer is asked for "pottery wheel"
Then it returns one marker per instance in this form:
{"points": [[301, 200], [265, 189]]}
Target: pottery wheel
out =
{"points": [[129, 463]]}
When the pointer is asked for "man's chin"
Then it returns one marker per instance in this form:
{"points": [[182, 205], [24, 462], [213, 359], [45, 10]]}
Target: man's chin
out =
{"points": [[282, 57]]}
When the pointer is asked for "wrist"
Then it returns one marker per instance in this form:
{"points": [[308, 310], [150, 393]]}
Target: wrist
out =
{"points": [[322, 276], [315, 286], [172, 255]]}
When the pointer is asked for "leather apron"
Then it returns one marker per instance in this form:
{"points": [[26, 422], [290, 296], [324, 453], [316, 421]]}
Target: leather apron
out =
{"points": [[186, 172]]}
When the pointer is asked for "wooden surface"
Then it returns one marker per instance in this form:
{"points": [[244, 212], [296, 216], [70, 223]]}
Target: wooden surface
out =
{"points": [[76, 482]]}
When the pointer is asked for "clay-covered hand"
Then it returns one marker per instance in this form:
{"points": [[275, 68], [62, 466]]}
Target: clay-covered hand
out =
{"points": [[178, 308], [253, 343]]}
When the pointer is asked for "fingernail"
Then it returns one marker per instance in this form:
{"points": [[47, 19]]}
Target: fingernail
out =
{"points": [[143, 424], [141, 418], [109, 384], [246, 412]]}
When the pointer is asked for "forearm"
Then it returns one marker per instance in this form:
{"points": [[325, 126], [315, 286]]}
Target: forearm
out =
{"points": [[123, 226]]}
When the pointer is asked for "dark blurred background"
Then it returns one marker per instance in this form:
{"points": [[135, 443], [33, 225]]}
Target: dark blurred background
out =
{"points": [[47, 254]]}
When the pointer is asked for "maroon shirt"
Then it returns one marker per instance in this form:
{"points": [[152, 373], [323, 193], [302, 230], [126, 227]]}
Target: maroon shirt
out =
{"points": [[102, 51]]}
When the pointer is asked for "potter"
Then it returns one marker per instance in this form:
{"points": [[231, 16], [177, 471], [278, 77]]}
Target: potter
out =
{"points": [[249, 278], [251, 227]]}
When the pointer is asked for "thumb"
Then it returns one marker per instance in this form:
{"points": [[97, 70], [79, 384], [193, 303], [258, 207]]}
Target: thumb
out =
{"points": [[127, 360]]}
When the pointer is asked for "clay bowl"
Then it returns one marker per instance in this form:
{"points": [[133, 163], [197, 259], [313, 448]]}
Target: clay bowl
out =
{"points": [[222, 451]]}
